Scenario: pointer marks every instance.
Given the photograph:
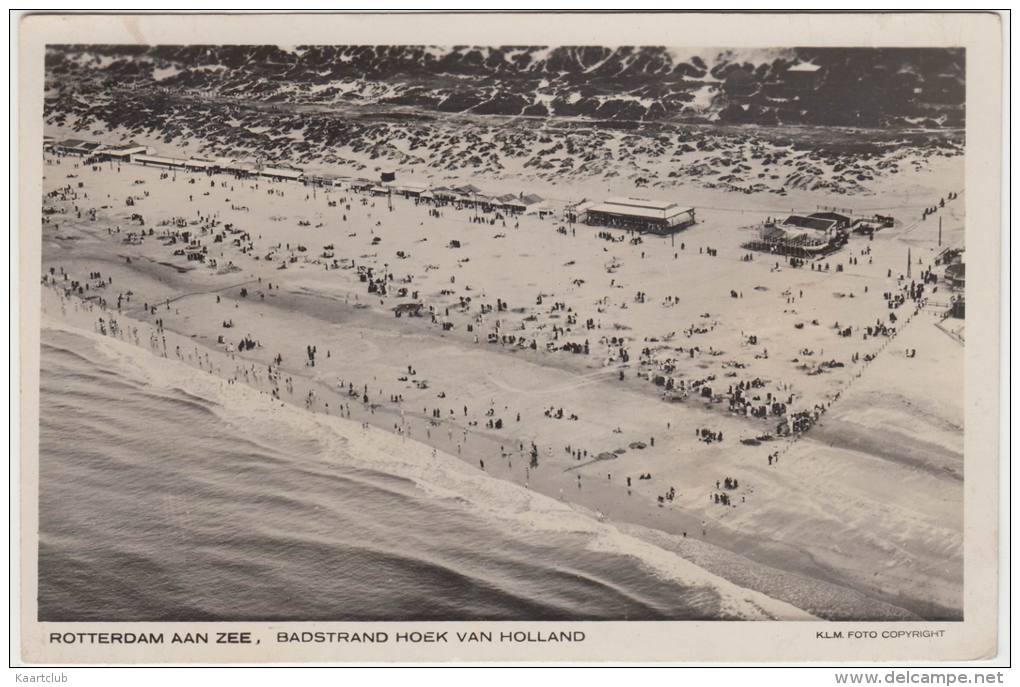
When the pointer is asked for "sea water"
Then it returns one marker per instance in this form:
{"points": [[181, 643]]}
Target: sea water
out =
{"points": [[166, 494]]}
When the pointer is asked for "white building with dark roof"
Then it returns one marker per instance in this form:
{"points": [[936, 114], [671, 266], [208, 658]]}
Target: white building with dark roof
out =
{"points": [[126, 152], [639, 213], [76, 146]]}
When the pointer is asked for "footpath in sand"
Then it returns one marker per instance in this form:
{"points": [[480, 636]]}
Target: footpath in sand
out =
{"points": [[854, 506]]}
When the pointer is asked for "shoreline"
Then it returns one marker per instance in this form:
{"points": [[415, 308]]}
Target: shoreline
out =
{"points": [[755, 568], [811, 515], [741, 603]]}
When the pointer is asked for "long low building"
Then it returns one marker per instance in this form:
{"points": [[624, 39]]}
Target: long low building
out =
{"points": [[803, 236], [126, 152], [159, 161], [640, 214], [76, 146], [292, 173]]}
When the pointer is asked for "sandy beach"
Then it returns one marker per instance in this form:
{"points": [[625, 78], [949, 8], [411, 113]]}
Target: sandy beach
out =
{"points": [[576, 360]]}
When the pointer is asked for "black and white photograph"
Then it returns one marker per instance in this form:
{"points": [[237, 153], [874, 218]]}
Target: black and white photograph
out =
{"points": [[433, 332]]}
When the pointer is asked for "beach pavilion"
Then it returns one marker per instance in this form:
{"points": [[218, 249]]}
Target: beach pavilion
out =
{"points": [[644, 215]]}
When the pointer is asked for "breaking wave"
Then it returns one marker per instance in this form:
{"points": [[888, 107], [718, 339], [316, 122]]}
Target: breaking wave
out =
{"points": [[168, 494]]}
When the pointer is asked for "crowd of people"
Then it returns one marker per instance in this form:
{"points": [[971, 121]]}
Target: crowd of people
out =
{"points": [[552, 326]]}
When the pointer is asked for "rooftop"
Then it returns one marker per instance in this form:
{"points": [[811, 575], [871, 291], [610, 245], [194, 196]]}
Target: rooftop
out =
{"points": [[127, 146], [282, 172], [159, 159], [836, 216], [641, 203], [668, 211], [801, 222]]}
